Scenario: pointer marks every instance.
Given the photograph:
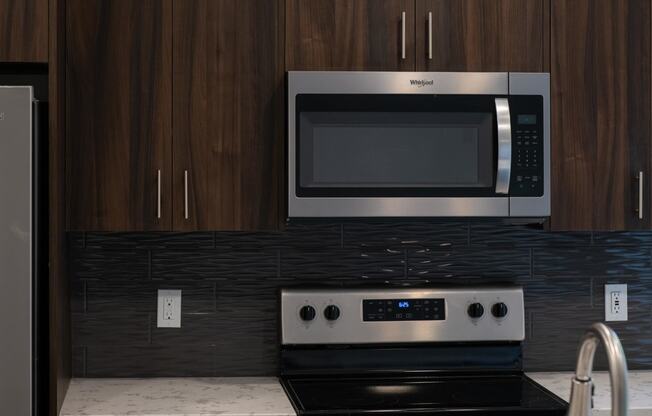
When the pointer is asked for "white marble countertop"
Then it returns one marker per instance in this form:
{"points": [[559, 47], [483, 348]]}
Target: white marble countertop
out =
{"points": [[265, 396], [639, 383], [230, 396]]}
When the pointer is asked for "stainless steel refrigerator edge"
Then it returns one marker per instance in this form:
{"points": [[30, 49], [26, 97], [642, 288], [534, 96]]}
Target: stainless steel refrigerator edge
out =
{"points": [[16, 250]]}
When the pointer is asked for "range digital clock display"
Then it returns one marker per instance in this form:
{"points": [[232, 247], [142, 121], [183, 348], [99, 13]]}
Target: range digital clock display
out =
{"points": [[403, 310]]}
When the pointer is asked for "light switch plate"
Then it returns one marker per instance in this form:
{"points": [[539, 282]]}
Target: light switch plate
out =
{"points": [[615, 302], [169, 309]]}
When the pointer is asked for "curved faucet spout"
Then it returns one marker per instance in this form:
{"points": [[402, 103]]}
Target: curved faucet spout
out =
{"points": [[582, 384]]}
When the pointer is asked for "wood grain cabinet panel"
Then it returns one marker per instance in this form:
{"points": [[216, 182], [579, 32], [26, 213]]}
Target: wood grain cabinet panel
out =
{"points": [[600, 71], [23, 30], [228, 114], [349, 35], [118, 114], [480, 35]]}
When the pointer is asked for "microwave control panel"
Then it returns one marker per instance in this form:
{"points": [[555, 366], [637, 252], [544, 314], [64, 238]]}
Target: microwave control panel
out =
{"points": [[527, 145]]}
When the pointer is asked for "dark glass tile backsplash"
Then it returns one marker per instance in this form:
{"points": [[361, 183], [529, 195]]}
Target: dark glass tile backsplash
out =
{"points": [[230, 282]]}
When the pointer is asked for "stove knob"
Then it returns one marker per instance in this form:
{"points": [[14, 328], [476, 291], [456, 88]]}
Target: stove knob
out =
{"points": [[307, 313], [332, 312], [499, 310], [476, 310]]}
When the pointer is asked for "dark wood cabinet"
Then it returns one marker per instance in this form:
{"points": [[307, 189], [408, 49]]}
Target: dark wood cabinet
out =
{"points": [[215, 67], [23, 30], [601, 88], [371, 35], [229, 111], [118, 114], [481, 35]]}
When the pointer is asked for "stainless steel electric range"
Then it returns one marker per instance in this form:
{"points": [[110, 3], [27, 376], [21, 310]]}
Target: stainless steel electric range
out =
{"points": [[451, 351]]}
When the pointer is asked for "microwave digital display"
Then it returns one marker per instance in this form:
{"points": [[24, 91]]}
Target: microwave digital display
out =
{"points": [[527, 119], [404, 309]]}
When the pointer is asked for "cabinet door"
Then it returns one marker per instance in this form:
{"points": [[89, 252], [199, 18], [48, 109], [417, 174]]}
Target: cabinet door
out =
{"points": [[118, 114], [369, 35], [23, 30], [228, 106], [480, 35], [600, 113]]}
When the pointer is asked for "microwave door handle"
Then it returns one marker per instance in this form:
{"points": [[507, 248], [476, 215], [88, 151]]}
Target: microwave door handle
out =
{"points": [[504, 170]]}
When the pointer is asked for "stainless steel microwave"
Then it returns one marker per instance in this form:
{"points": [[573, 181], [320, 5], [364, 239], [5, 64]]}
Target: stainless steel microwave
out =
{"points": [[418, 144]]}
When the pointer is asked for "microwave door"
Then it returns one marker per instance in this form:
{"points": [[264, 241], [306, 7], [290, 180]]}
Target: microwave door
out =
{"points": [[388, 155], [504, 127]]}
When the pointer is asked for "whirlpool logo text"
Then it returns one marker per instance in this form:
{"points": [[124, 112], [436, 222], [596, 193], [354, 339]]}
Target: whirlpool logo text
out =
{"points": [[422, 82]]}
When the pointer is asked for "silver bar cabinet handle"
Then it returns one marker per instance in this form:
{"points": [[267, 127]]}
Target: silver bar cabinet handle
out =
{"points": [[504, 171], [185, 194], [430, 35], [640, 195], [158, 197], [403, 35]]}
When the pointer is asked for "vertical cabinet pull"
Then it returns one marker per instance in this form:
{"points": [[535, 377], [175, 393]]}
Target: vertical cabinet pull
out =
{"points": [[185, 194], [403, 35], [158, 196], [639, 208], [430, 35]]}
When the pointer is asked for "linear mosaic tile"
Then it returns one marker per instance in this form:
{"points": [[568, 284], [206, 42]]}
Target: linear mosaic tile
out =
{"points": [[111, 328], [396, 236], [150, 361], [230, 283], [638, 239], [491, 233], [343, 264], [495, 263], [592, 261], [110, 265], [140, 296], [213, 264]]}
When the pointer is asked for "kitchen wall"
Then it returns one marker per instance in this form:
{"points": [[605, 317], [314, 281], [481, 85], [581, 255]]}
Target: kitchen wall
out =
{"points": [[230, 282]]}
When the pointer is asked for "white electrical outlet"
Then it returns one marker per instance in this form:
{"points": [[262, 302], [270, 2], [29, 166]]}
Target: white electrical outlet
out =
{"points": [[169, 309], [615, 302]]}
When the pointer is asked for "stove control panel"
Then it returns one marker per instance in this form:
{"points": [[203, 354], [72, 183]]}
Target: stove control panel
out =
{"points": [[367, 316], [403, 310]]}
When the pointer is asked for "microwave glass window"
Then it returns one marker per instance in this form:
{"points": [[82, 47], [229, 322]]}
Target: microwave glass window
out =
{"points": [[396, 150]]}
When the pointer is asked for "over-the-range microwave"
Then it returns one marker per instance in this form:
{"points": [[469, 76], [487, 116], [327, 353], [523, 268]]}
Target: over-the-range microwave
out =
{"points": [[418, 144]]}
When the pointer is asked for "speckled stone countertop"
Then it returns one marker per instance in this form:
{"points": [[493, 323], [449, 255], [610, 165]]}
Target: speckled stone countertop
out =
{"points": [[232, 396], [640, 390], [265, 396]]}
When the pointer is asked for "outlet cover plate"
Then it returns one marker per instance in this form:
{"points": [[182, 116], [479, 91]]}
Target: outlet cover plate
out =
{"points": [[615, 302], [169, 309]]}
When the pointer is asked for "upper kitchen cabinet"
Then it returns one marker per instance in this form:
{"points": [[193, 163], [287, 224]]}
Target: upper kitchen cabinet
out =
{"points": [[228, 111], [370, 35], [600, 66], [118, 114], [481, 35], [23, 30]]}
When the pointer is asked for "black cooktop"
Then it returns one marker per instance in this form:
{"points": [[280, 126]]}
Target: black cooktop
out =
{"points": [[492, 394]]}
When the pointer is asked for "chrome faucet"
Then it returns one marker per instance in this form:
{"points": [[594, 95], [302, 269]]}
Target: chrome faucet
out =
{"points": [[582, 385]]}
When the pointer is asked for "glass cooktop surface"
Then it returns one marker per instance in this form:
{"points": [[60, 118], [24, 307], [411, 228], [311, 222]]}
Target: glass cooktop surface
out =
{"points": [[439, 394]]}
